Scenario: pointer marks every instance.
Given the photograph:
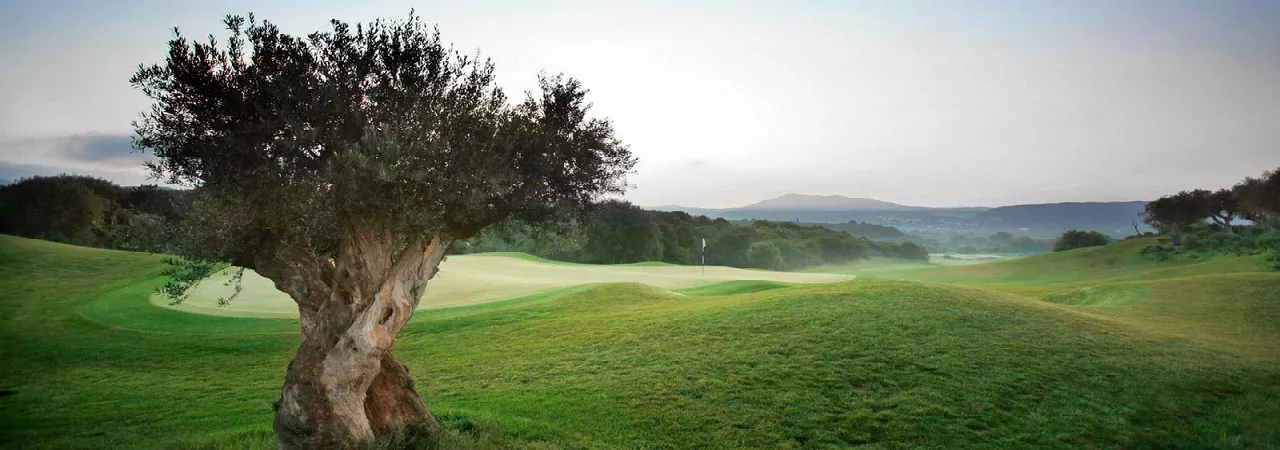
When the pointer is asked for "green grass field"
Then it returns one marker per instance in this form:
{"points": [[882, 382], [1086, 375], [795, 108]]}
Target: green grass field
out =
{"points": [[1094, 348], [486, 277]]}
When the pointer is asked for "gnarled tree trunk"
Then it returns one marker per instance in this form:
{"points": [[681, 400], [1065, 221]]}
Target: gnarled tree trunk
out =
{"points": [[343, 387]]}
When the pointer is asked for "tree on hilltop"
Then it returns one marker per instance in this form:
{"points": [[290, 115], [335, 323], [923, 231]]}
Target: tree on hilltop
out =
{"points": [[342, 166], [1172, 213], [1259, 198], [1223, 207], [1073, 239]]}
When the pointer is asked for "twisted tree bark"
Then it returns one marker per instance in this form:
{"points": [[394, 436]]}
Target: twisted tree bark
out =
{"points": [[344, 388]]}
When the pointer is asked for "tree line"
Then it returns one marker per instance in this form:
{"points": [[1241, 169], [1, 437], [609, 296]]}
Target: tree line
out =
{"points": [[1244, 218], [1256, 199], [614, 232], [93, 212]]}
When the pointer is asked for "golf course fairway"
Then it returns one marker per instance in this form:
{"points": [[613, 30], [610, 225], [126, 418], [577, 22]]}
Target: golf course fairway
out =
{"points": [[1091, 348], [482, 278]]}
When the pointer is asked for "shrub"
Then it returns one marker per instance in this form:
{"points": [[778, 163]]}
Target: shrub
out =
{"points": [[1073, 239]]}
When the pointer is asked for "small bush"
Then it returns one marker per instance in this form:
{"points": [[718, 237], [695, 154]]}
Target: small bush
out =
{"points": [[1073, 239]]}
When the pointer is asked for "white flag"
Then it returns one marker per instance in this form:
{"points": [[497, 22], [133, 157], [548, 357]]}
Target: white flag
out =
{"points": [[704, 243]]}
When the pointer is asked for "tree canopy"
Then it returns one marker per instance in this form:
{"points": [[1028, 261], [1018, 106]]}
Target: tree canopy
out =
{"points": [[1259, 197], [90, 211], [1181, 209], [1073, 239], [293, 139]]}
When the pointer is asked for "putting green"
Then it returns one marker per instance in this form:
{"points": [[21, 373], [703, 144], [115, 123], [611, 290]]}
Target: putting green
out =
{"points": [[481, 278]]}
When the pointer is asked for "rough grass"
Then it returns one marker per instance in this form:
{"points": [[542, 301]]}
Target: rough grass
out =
{"points": [[1187, 361]]}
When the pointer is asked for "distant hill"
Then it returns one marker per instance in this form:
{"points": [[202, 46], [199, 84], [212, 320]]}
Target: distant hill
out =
{"points": [[1102, 216], [4, 181], [1038, 220], [824, 202]]}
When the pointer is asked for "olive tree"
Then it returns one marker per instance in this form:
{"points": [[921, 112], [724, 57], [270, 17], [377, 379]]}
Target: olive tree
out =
{"points": [[342, 166]]}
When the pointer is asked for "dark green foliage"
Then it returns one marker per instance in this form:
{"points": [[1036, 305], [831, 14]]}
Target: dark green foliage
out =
{"points": [[1179, 210], [1255, 199], [170, 204], [296, 141], [1259, 198], [1223, 206], [1205, 241], [730, 247], [61, 208], [619, 232], [615, 232], [1073, 239], [561, 243], [92, 212], [764, 255]]}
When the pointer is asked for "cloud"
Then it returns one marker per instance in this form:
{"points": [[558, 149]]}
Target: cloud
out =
{"points": [[99, 147], [76, 150], [108, 156], [15, 172]]}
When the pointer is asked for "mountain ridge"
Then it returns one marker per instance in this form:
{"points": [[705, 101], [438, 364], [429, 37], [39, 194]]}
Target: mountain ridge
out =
{"points": [[831, 202]]}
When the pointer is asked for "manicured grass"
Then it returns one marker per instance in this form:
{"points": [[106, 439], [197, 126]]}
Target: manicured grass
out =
{"points": [[734, 288], [474, 279], [80, 384], [539, 259], [1145, 362]]}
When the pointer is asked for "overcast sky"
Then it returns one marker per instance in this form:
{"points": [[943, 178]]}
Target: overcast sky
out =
{"points": [[727, 103]]}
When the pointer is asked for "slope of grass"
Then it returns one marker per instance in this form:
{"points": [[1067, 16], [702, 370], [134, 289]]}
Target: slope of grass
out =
{"points": [[78, 384], [734, 288], [1231, 301], [880, 363], [1121, 261]]}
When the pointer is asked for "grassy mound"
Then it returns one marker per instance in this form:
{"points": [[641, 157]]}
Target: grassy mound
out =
{"points": [[880, 363], [1230, 301]]}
